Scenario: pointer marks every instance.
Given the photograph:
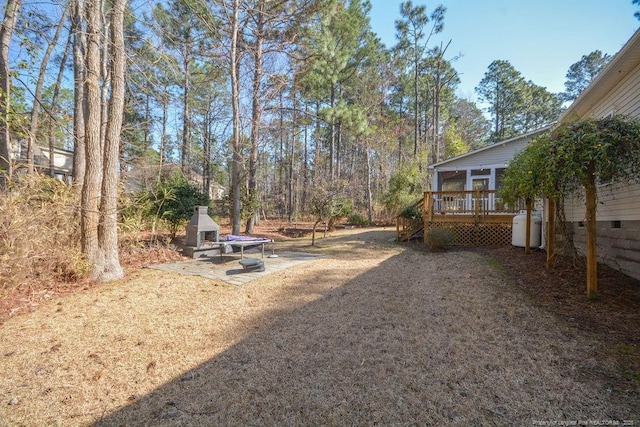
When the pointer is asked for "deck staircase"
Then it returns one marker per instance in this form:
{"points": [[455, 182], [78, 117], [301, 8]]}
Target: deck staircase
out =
{"points": [[407, 228]]}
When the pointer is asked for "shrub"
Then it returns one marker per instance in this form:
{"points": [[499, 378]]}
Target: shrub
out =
{"points": [[39, 233], [405, 185], [358, 220], [439, 239], [411, 212], [170, 201], [136, 212]]}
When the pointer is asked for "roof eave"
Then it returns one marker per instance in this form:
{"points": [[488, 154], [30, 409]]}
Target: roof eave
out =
{"points": [[617, 69], [489, 147]]}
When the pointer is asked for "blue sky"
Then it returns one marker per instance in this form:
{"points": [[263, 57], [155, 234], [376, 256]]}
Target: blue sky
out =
{"points": [[540, 38]]}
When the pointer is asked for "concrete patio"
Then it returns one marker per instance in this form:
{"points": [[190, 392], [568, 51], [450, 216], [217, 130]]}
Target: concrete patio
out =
{"points": [[228, 269]]}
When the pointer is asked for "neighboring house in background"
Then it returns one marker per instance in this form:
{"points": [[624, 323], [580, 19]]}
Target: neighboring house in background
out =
{"points": [[62, 159], [616, 90], [145, 176], [141, 176]]}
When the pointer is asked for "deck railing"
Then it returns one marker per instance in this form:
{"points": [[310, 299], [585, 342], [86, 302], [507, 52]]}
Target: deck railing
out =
{"points": [[459, 208], [475, 203]]}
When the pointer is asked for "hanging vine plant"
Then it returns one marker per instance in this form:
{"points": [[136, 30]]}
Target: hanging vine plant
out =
{"points": [[571, 160], [591, 151], [527, 176]]}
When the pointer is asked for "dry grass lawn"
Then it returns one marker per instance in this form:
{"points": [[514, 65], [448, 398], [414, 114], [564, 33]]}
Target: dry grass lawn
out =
{"points": [[372, 334]]}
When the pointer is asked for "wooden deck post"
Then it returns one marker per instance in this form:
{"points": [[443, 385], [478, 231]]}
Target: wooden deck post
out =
{"points": [[592, 230], [551, 234], [428, 206], [527, 244]]}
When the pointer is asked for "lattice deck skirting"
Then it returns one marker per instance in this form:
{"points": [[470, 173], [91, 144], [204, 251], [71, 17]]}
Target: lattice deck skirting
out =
{"points": [[475, 234]]}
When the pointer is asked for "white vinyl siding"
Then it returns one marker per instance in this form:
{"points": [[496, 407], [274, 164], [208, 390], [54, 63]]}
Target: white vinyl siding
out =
{"points": [[497, 154], [623, 99], [616, 202]]}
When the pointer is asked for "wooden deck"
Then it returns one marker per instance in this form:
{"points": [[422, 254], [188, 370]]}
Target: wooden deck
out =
{"points": [[476, 218]]}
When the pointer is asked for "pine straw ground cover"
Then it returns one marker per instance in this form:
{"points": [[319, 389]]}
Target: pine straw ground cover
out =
{"points": [[375, 333]]}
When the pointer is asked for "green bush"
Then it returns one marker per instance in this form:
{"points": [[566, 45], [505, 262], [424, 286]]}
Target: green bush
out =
{"points": [[177, 210], [405, 186], [411, 212], [358, 220], [170, 201], [439, 239], [341, 207], [136, 212]]}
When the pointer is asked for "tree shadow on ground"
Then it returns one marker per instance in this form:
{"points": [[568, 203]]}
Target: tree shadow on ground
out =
{"points": [[420, 339]]}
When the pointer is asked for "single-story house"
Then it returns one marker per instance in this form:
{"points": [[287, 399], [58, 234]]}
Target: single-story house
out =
{"points": [[464, 196], [141, 176], [481, 169]]}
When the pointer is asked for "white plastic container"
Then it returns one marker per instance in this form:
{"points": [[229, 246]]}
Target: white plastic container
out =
{"points": [[519, 230]]}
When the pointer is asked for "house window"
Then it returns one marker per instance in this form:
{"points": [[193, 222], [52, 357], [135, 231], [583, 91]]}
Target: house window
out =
{"points": [[480, 184], [499, 176], [453, 186], [616, 224]]}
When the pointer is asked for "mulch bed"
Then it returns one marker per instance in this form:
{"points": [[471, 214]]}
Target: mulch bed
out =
{"points": [[613, 318], [616, 312]]}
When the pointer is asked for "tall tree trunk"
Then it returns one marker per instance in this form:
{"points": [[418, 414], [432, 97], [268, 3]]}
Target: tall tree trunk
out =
{"points": [[186, 128], [592, 230], [206, 148], [305, 165], [290, 181], [90, 195], [37, 99], [235, 102], [147, 117], [164, 136], [436, 119], [499, 112], [54, 105], [280, 159], [110, 268], [256, 109], [369, 190], [79, 73], [6, 32], [106, 75], [316, 153], [427, 133], [338, 168], [416, 102], [332, 137]]}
